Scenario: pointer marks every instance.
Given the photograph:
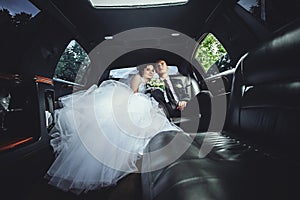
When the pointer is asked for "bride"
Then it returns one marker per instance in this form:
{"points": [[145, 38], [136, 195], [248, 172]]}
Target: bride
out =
{"points": [[102, 132]]}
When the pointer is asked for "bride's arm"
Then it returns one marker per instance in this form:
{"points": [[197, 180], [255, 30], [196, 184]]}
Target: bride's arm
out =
{"points": [[135, 82]]}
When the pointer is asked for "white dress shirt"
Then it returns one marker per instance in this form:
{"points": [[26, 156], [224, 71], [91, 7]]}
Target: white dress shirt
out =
{"points": [[172, 90]]}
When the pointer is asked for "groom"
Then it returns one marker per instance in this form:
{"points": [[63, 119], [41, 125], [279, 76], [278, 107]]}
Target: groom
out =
{"points": [[175, 97]]}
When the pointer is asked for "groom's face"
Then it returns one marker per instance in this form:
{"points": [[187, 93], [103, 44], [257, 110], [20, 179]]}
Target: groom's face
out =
{"points": [[161, 68]]}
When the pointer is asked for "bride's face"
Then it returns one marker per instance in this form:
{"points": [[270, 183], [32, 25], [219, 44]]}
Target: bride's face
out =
{"points": [[148, 72]]}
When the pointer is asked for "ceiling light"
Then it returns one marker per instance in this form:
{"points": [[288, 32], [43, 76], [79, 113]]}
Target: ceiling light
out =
{"points": [[109, 37], [135, 3], [175, 34]]}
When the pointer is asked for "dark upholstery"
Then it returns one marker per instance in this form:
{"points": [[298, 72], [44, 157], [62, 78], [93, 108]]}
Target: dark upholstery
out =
{"points": [[257, 156], [266, 92]]}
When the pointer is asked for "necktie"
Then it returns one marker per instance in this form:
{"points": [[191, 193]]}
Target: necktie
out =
{"points": [[170, 94]]}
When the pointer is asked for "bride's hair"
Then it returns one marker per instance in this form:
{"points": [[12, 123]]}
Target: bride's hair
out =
{"points": [[141, 68]]}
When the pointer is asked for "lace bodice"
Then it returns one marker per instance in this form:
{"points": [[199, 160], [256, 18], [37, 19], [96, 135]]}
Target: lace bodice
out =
{"points": [[142, 86]]}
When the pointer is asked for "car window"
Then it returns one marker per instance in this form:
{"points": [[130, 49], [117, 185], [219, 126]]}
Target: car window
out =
{"points": [[19, 11], [272, 13], [19, 123], [124, 72], [18, 21], [212, 56], [72, 65]]}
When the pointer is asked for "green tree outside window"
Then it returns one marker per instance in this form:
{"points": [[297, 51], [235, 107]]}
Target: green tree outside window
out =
{"points": [[73, 64], [209, 51]]}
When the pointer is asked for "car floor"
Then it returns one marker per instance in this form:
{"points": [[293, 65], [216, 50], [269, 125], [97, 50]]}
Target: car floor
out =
{"points": [[129, 188]]}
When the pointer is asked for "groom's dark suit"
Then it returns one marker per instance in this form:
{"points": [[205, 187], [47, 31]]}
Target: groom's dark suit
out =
{"points": [[182, 88]]}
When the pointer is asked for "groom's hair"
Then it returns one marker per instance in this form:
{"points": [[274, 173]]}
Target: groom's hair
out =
{"points": [[160, 60]]}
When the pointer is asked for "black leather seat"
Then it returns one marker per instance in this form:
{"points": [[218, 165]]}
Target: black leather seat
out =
{"points": [[257, 156]]}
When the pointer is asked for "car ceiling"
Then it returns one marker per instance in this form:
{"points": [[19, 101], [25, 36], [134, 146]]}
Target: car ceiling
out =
{"points": [[91, 25]]}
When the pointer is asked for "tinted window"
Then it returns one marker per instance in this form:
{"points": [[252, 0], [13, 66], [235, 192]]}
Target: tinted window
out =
{"points": [[72, 65], [16, 8], [16, 19], [125, 72], [272, 13], [212, 55]]}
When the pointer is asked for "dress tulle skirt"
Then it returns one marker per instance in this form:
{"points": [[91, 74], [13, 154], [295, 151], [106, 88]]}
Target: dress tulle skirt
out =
{"points": [[101, 133]]}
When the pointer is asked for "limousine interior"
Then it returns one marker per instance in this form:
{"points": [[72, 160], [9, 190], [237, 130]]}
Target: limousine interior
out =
{"points": [[240, 56]]}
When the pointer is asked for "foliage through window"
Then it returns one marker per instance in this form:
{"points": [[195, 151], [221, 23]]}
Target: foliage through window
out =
{"points": [[18, 11], [212, 55], [73, 64], [16, 14], [18, 24]]}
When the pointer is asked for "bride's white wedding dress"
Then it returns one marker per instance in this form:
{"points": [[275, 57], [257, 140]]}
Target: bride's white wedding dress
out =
{"points": [[101, 133]]}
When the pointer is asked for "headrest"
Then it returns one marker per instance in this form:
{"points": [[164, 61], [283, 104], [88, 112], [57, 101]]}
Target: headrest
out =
{"points": [[276, 60]]}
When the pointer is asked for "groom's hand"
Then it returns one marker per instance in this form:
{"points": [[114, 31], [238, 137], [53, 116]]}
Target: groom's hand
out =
{"points": [[181, 105]]}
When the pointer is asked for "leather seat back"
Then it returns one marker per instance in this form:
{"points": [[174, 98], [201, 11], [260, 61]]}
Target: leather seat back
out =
{"points": [[265, 98]]}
